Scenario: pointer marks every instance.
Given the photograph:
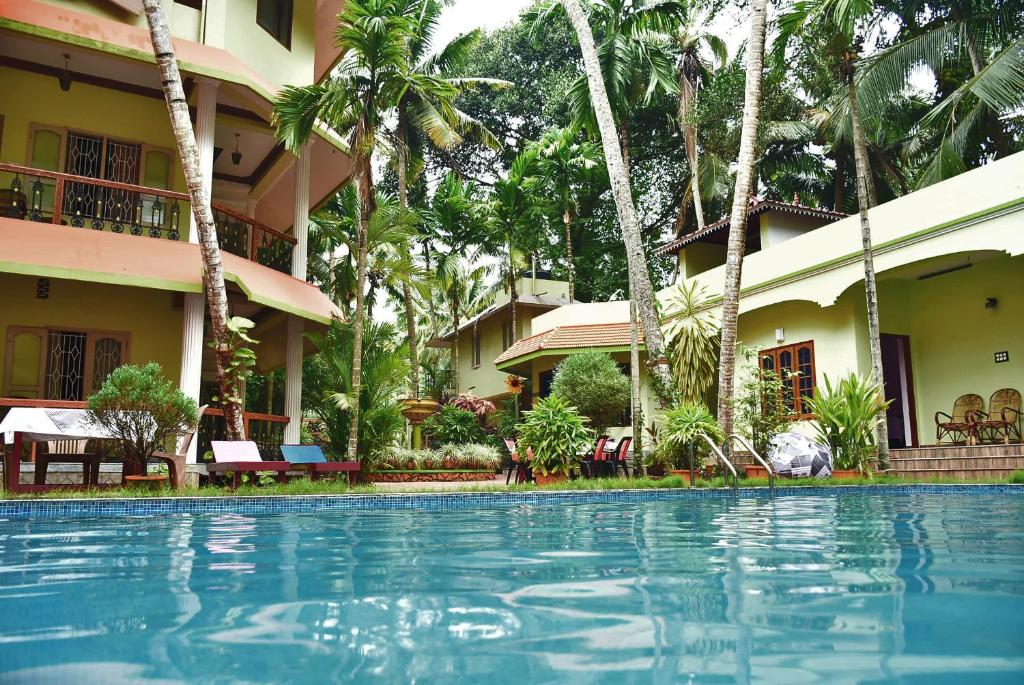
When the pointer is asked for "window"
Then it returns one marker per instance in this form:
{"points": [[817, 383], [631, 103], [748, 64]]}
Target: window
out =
{"points": [[275, 17], [508, 336], [794, 365], [476, 347], [60, 364]]}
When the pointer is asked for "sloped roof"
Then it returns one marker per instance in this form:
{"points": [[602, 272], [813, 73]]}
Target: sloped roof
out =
{"points": [[757, 206], [570, 337]]}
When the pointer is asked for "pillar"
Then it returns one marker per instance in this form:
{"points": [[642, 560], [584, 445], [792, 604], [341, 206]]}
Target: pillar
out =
{"points": [[195, 303], [293, 352]]}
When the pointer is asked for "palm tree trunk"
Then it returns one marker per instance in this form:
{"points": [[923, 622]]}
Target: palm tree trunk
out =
{"points": [[840, 178], [738, 220], [430, 301], [213, 268], [514, 296], [364, 184], [567, 217], [636, 410], [687, 100], [407, 296], [864, 203], [455, 346], [641, 289]]}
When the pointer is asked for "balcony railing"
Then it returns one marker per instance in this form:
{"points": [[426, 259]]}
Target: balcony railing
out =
{"points": [[83, 202]]}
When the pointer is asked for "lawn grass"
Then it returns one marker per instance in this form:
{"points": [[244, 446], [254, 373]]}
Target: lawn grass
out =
{"points": [[304, 486]]}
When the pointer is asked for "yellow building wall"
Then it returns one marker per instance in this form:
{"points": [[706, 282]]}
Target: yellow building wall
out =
{"points": [[696, 258], [484, 380], [149, 315]]}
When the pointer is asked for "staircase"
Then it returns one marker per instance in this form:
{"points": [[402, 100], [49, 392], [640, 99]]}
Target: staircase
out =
{"points": [[963, 462]]}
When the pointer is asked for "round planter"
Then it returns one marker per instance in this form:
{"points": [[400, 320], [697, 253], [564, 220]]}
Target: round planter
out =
{"points": [[845, 474], [541, 479], [756, 471], [685, 474], [156, 482], [416, 410]]}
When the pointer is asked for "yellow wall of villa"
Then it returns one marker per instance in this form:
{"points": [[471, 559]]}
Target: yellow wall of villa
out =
{"points": [[485, 380], [148, 315]]}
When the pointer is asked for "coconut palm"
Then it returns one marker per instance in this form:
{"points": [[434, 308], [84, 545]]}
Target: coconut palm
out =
{"points": [[639, 276], [464, 292], [694, 43], [213, 268], [564, 165], [362, 93], [738, 217]]}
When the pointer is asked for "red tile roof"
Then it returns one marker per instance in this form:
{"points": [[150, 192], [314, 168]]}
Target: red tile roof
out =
{"points": [[571, 337], [757, 206]]}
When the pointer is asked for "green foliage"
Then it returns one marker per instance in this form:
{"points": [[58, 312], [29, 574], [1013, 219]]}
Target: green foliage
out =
{"points": [[845, 416], [327, 389], [142, 410], [1017, 478], [678, 437], [453, 425], [557, 433], [470, 456], [760, 412], [592, 382], [692, 338], [241, 364]]}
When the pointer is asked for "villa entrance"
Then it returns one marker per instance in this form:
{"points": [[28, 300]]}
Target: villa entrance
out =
{"points": [[899, 389]]}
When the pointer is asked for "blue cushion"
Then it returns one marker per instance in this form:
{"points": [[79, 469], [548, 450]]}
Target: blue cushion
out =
{"points": [[303, 454]]}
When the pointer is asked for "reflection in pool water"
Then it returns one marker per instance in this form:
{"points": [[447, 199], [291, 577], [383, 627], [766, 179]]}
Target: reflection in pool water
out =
{"points": [[840, 589]]}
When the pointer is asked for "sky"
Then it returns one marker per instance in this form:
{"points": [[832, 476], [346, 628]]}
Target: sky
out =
{"points": [[466, 15]]}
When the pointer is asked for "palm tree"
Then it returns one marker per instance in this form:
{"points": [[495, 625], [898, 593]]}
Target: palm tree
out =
{"points": [[738, 218], [428, 115], [362, 93], [213, 269], [565, 165], [639, 277], [691, 42], [465, 293]]}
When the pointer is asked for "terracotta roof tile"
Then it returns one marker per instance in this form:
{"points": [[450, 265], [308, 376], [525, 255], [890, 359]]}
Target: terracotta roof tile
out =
{"points": [[571, 337]]}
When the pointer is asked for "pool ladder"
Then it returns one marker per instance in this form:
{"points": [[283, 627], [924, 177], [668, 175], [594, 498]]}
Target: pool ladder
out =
{"points": [[725, 448]]}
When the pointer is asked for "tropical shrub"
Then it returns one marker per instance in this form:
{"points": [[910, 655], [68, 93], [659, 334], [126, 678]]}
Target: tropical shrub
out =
{"points": [[471, 456], [761, 413], [557, 434], [143, 411], [678, 437], [453, 425], [449, 457], [592, 382], [692, 337], [845, 416], [470, 402]]}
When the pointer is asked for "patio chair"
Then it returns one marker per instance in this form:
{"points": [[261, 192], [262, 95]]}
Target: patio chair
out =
{"points": [[523, 471], [1002, 422], [243, 456], [959, 426], [66, 452], [177, 462], [619, 457], [597, 462], [310, 458]]}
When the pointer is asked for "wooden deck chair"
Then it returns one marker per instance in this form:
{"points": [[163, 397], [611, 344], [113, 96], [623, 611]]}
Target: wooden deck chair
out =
{"points": [[959, 426], [1002, 423], [243, 456], [311, 459]]}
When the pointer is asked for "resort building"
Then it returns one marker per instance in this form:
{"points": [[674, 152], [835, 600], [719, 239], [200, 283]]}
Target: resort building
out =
{"points": [[100, 262]]}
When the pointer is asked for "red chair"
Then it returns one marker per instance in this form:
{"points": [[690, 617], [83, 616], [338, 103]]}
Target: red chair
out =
{"points": [[523, 471], [592, 466], [619, 459]]}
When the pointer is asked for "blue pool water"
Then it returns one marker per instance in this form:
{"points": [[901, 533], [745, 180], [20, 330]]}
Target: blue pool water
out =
{"points": [[849, 588]]}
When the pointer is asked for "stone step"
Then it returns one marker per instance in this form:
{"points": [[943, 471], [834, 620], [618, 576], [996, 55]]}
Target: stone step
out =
{"points": [[958, 474], [958, 451], [925, 463]]}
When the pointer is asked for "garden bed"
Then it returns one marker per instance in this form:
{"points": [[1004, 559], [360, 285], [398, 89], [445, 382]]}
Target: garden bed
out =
{"points": [[431, 476]]}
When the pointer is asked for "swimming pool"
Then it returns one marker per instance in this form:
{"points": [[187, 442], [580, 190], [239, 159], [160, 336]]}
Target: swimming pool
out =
{"points": [[839, 588]]}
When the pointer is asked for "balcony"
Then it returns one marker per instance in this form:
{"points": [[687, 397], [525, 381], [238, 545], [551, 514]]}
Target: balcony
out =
{"points": [[82, 202]]}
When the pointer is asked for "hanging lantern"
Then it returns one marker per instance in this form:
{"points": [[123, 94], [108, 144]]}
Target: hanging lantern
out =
{"points": [[157, 212], [36, 213], [173, 234]]}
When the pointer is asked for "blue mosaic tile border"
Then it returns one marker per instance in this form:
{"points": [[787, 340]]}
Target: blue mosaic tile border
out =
{"points": [[92, 508]]}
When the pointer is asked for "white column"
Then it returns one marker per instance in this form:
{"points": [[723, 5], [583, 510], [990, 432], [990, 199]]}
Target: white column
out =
{"points": [[195, 303], [293, 353]]}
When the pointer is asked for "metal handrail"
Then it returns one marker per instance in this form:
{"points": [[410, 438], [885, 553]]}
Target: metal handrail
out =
{"points": [[716, 450], [771, 473]]}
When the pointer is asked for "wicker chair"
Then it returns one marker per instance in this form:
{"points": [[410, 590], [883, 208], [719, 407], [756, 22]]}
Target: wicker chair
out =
{"points": [[1002, 423], [959, 427]]}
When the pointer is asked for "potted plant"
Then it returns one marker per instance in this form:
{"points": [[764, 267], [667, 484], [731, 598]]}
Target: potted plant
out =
{"points": [[680, 442], [845, 416], [557, 434], [143, 412]]}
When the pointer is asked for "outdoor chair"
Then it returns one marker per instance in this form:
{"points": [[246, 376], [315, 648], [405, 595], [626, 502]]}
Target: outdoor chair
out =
{"points": [[619, 457], [523, 471], [310, 458], [67, 452], [177, 462], [959, 426], [1002, 423], [597, 462], [243, 456]]}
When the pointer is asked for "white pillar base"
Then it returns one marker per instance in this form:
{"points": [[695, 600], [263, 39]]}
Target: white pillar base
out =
{"points": [[191, 378]]}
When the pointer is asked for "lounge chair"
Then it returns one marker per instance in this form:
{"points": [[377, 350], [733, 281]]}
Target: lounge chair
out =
{"points": [[598, 461], [311, 459], [619, 457], [522, 468], [243, 456], [1002, 422], [959, 426], [177, 462]]}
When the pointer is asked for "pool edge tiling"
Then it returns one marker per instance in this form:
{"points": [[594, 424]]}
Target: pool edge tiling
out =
{"points": [[286, 504]]}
